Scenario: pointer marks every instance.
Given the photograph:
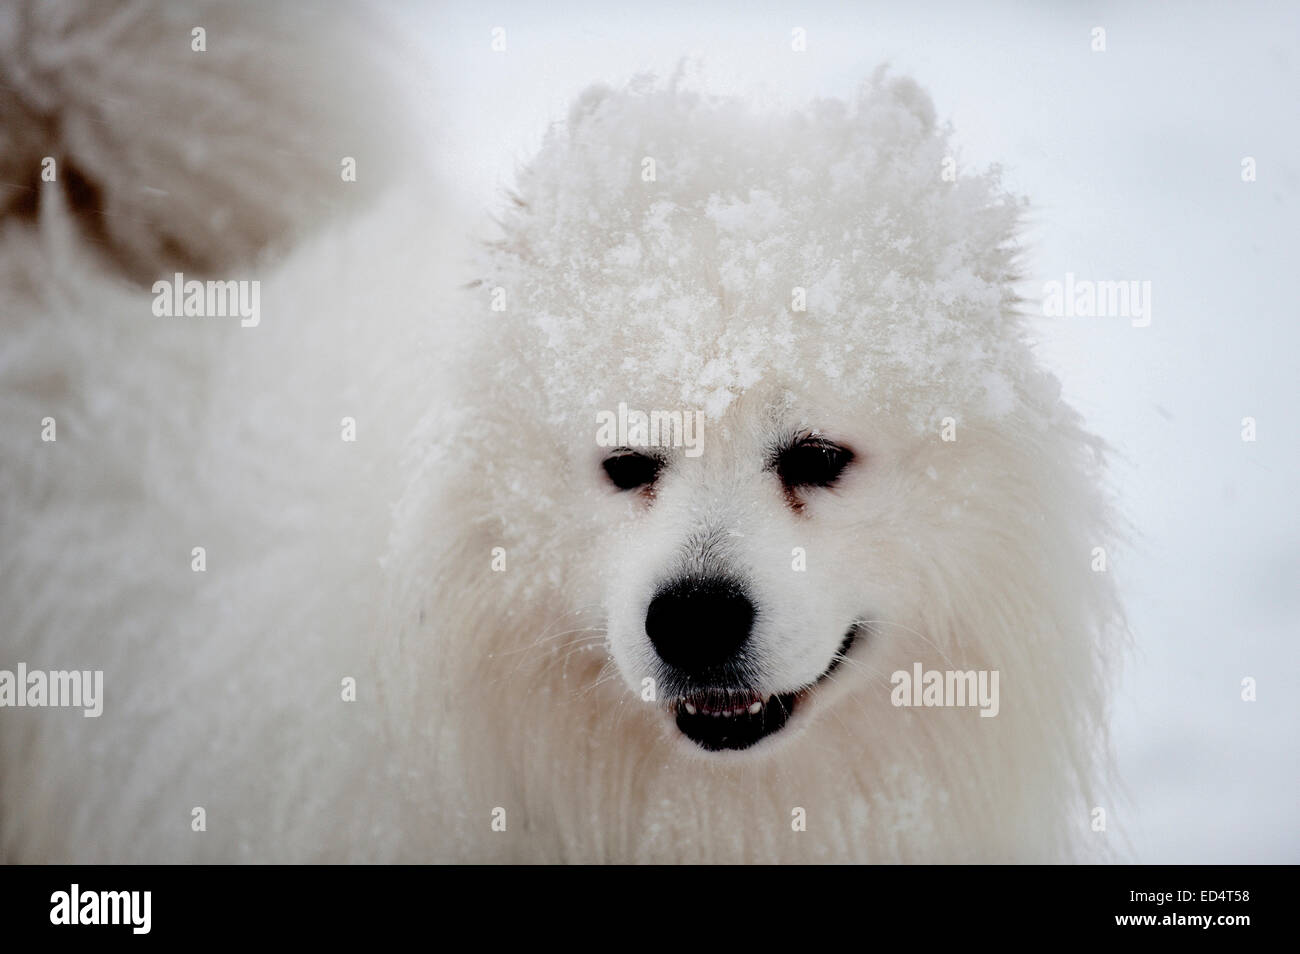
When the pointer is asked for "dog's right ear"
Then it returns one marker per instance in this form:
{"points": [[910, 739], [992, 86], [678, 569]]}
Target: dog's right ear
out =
{"points": [[587, 104]]}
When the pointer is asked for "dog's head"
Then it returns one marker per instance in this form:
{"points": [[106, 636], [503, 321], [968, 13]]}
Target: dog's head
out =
{"points": [[780, 360]]}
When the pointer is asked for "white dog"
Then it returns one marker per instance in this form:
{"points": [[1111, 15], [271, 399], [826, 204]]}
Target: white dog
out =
{"points": [[723, 515]]}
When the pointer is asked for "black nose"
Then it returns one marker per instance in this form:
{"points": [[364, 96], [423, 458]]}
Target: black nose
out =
{"points": [[699, 623]]}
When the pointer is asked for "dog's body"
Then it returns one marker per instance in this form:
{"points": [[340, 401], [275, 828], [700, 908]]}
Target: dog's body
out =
{"points": [[467, 562]]}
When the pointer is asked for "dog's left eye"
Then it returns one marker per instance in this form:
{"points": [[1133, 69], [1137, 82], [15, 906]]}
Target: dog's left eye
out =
{"points": [[812, 462], [628, 470]]}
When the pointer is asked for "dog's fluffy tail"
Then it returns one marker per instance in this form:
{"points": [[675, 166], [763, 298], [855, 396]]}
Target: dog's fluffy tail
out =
{"points": [[192, 134]]}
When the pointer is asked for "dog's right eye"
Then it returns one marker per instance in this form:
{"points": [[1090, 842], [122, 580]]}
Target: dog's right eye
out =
{"points": [[628, 470]]}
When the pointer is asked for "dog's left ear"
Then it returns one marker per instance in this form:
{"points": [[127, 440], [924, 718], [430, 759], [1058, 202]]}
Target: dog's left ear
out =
{"points": [[898, 94]]}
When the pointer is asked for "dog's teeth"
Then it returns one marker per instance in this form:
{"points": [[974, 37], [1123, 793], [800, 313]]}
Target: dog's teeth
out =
{"points": [[753, 708]]}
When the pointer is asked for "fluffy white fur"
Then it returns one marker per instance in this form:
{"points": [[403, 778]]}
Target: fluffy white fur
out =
{"points": [[519, 689]]}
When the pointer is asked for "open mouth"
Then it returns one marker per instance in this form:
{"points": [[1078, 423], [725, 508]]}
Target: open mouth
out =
{"points": [[733, 719], [722, 719]]}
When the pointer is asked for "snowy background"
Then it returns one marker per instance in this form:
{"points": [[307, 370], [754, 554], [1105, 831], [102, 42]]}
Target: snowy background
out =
{"points": [[1132, 161]]}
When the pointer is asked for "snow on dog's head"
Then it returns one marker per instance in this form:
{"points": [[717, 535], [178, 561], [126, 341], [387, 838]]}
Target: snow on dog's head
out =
{"points": [[749, 411], [707, 245]]}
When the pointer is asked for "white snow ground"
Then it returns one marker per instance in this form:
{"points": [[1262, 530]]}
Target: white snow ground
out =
{"points": [[1132, 160]]}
